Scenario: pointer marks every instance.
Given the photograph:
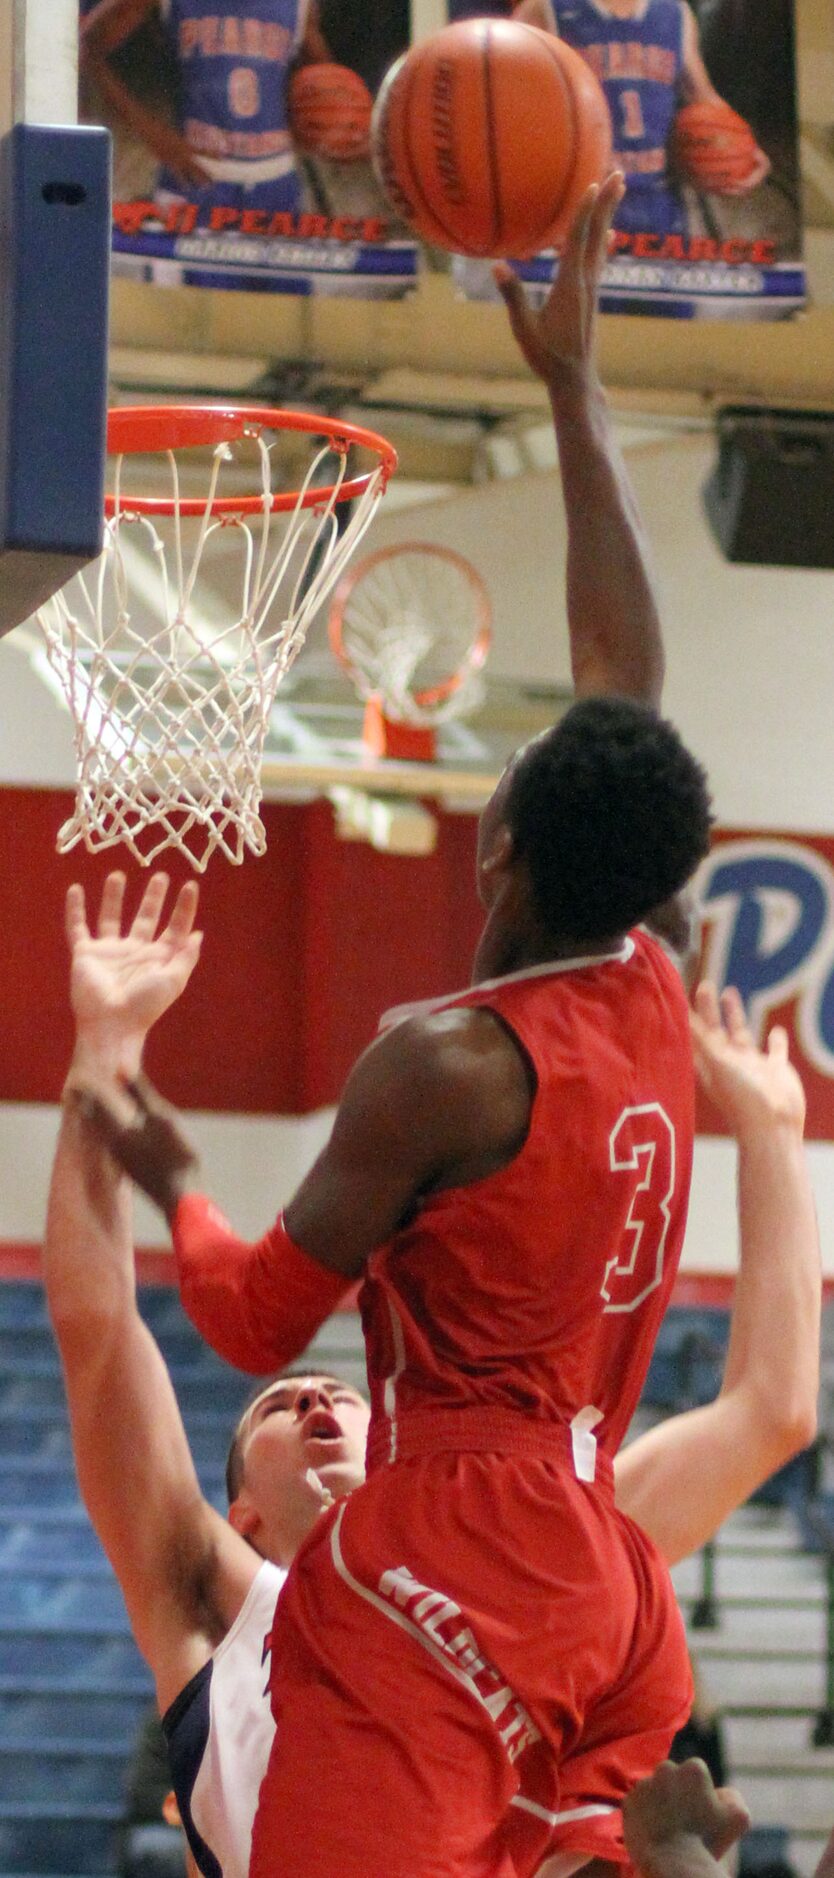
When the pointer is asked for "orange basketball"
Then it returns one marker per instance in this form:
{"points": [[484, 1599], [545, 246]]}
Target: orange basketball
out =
{"points": [[712, 147], [330, 112], [486, 135]]}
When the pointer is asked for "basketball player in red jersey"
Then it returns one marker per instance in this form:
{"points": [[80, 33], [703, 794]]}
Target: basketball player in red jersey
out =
{"points": [[510, 1172], [200, 1595]]}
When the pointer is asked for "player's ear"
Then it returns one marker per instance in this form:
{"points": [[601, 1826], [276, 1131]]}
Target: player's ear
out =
{"points": [[501, 852], [243, 1516]]}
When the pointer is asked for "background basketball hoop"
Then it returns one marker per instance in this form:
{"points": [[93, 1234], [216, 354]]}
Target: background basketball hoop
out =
{"points": [[170, 703], [412, 626]]}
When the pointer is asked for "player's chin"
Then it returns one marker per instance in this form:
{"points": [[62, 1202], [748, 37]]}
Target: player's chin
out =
{"points": [[340, 1477]]}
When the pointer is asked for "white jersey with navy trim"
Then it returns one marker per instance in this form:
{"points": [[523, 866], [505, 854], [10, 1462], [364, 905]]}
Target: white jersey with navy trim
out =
{"points": [[220, 1731]]}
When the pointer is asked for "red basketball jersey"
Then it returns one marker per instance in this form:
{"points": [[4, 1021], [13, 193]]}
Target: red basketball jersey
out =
{"points": [[541, 1287]]}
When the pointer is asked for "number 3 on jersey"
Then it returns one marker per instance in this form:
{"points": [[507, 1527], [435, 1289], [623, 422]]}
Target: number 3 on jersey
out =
{"points": [[641, 1148]]}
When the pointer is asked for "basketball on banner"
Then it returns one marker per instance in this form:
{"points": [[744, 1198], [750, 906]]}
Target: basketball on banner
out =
{"points": [[330, 112], [713, 147]]}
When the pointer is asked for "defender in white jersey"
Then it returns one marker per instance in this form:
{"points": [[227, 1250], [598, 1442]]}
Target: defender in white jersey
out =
{"points": [[201, 1590]]}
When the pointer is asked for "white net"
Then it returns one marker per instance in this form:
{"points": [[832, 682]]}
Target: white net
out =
{"points": [[170, 688], [414, 631]]}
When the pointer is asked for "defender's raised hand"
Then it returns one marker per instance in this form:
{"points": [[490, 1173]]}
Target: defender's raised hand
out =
{"points": [[559, 337], [122, 981], [751, 1087]]}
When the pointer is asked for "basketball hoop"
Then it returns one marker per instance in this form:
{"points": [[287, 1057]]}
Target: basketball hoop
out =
{"points": [[412, 626], [169, 682]]}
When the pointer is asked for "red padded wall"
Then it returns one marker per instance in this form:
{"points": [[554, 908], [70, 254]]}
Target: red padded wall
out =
{"points": [[303, 951]]}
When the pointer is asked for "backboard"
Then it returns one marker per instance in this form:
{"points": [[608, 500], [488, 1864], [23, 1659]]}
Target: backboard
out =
{"points": [[314, 748], [54, 277]]}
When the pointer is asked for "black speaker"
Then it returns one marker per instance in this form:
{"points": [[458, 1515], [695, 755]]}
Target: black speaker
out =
{"points": [[770, 497]]}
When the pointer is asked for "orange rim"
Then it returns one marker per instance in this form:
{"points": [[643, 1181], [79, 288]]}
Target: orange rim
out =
{"points": [[482, 639], [142, 429]]}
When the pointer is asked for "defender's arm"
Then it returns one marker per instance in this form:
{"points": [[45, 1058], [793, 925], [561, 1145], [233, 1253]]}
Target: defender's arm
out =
{"points": [[683, 1478], [183, 1572]]}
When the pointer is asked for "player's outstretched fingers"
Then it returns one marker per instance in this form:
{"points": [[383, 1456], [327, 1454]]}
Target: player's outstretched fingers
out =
{"points": [[75, 916], [707, 1005], [577, 236], [146, 918], [735, 1016], [777, 1043], [515, 300], [110, 910], [610, 196], [183, 914]]}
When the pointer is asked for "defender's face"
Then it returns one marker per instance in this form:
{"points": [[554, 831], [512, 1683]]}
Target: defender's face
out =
{"points": [[299, 1426]]}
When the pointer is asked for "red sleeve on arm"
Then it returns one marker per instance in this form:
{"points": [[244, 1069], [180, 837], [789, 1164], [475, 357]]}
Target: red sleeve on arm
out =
{"points": [[256, 1305]]}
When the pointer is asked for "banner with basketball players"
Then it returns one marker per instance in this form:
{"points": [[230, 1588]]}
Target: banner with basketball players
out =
{"points": [[242, 142], [700, 99]]}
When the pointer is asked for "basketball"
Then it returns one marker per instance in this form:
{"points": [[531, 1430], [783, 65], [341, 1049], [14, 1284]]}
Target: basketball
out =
{"points": [[330, 112], [486, 135], [712, 146]]}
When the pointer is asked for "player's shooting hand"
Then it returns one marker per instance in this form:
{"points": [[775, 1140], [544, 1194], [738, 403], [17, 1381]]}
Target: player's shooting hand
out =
{"points": [[121, 982], [751, 1087], [151, 1147], [679, 1804], [559, 338]]}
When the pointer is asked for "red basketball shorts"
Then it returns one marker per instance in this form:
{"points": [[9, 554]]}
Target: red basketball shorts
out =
{"points": [[473, 1659]]}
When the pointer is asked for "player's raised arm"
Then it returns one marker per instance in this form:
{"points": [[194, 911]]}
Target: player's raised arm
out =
{"points": [[614, 624], [183, 1571], [683, 1478]]}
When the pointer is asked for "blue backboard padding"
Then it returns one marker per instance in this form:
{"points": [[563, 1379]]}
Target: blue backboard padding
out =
{"points": [[54, 290]]}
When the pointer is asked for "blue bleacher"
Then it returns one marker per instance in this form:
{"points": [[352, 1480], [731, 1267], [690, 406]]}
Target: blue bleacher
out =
{"points": [[73, 1687], [688, 1359]]}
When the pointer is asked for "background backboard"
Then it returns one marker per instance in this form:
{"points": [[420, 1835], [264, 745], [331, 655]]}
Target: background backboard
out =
{"points": [[54, 267]]}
